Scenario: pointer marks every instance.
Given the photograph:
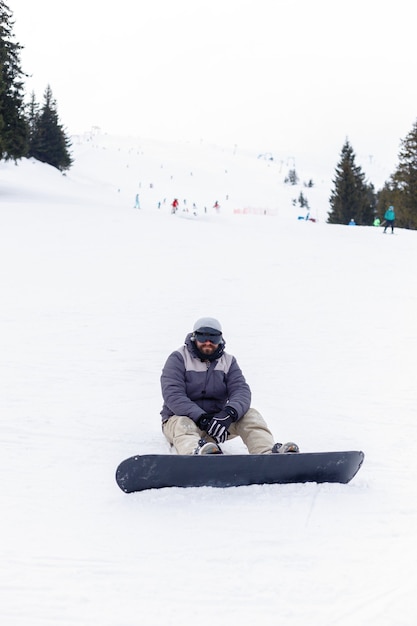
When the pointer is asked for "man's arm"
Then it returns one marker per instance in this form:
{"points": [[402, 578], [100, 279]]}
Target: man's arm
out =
{"points": [[174, 388], [238, 390]]}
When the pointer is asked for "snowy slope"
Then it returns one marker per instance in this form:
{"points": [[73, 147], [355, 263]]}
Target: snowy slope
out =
{"points": [[96, 294]]}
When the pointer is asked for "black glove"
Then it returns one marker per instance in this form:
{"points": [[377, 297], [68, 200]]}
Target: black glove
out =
{"points": [[219, 425], [204, 420]]}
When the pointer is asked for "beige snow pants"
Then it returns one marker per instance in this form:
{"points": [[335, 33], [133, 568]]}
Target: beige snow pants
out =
{"points": [[183, 433]]}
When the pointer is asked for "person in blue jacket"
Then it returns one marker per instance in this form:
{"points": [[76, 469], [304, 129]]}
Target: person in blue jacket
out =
{"points": [[389, 219], [207, 399]]}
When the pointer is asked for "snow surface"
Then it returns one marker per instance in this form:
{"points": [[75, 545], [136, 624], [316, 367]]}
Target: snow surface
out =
{"points": [[94, 296]]}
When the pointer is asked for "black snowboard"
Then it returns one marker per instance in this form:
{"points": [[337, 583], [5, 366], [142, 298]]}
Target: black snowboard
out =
{"points": [[153, 471]]}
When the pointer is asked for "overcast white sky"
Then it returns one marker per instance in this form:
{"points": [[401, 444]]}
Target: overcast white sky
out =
{"points": [[296, 75]]}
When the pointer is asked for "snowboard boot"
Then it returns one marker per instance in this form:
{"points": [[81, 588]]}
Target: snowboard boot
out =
{"points": [[207, 447], [285, 448]]}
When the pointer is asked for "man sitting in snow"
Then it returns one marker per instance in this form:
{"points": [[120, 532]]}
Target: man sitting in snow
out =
{"points": [[207, 399]]}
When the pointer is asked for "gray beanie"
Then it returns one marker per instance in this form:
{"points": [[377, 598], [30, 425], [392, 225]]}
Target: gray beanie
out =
{"points": [[207, 322]]}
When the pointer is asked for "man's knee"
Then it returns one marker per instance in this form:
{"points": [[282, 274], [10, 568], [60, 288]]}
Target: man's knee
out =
{"points": [[253, 417], [179, 425]]}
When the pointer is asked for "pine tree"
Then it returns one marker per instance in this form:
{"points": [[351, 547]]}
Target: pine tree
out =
{"points": [[302, 201], [401, 189], [352, 197], [292, 177], [13, 127], [32, 117], [49, 142]]}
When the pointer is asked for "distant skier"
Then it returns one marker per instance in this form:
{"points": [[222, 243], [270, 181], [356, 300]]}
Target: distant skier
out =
{"points": [[389, 219], [352, 222], [377, 221], [137, 203], [216, 206], [174, 205]]}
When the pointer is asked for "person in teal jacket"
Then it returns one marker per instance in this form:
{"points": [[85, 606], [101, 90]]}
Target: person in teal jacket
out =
{"points": [[389, 219]]}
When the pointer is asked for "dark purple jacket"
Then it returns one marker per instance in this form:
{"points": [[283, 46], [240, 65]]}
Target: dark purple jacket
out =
{"points": [[192, 386]]}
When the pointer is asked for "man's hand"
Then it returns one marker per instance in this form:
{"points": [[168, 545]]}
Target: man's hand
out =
{"points": [[204, 421], [219, 425]]}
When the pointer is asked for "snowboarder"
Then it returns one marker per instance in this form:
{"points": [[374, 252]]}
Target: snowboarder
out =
{"points": [[389, 219], [207, 399]]}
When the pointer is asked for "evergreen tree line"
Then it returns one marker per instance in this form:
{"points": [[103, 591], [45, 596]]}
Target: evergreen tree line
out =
{"points": [[26, 129], [354, 198], [33, 130]]}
